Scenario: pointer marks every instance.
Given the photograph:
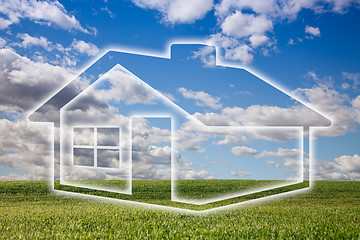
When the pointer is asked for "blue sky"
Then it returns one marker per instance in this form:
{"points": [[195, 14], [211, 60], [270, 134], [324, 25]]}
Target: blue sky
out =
{"points": [[310, 48]]}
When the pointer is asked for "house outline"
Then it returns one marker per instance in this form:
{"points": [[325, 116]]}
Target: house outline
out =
{"points": [[219, 62]]}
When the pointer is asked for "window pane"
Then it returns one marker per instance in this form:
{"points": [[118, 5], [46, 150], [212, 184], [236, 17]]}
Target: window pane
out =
{"points": [[83, 136], [108, 158], [84, 156], [108, 136]]}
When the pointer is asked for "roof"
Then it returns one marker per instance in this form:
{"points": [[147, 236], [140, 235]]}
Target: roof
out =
{"points": [[186, 74]]}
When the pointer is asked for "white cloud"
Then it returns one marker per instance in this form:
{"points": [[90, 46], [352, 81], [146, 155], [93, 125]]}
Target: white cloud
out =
{"points": [[276, 165], [106, 9], [262, 115], [224, 7], [188, 140], [84, 47], [350, 164], [344, 113], [2, 42], [241, 53], [341, 114], [355, 77], [234, 49], [24, 82], [178, 11], [43, 12], [202, 98], [355, 103], [151, 161], [258, 40], [239, 172], [29, 41], [291, 42], [312, 75], [243, 151], [4, 23], [169, 96], [256, 26], [207, 56], [243, 25], [64, 56], [314, 31], [281, 152], [345, 167], [283, 9], [233, 139], [223, 41], [25, 147], [345, 86], [124, 87]]}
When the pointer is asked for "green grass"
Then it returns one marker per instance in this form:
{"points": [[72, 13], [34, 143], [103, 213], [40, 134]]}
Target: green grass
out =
{"points": [[29, 210], [159, 191]]}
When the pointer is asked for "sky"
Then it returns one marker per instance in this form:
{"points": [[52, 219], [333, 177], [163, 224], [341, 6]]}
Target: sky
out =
{"points": [[308, 48]]}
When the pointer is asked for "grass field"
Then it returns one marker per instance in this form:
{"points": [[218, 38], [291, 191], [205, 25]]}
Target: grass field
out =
{"points": [[159, 191], [29, 210]]}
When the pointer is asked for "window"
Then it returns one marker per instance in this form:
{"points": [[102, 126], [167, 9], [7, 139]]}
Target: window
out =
{"points": [[96, 147]]}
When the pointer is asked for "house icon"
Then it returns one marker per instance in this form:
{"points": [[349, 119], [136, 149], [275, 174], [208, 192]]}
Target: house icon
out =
{"points": [[139, 116]]}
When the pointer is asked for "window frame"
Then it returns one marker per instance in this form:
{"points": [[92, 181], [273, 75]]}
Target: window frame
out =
{"points": [[95, 146]]}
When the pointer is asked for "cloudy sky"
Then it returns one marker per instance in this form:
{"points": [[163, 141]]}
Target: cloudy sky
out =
{"points": [[310, 48]]}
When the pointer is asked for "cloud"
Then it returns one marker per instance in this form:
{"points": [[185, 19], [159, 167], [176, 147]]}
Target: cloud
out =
{"points": [[258, 40], [25, 147], [243, 151], [250, 22], [281, 152], [294, 167], [262, 115], [152, 154], [4, 23], [242, 53], [341, 114], [243, 25], [169, 96], [355, 77], [24, 82], [178, 11], [29, 41], [291, 42], [314, 31], [283, 9], [106, 9], [207, 56], [84, 47], [2, 42], [239, 172], [345, 86], [202, 98], [355, 103], [123, 87], [234, 49], [233, 139], [312, 75], [42, 12], [60, 55], [345, 167], [269, 162]]}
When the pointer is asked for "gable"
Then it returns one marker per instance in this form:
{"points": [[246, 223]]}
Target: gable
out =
{"points": [[118, 95]]}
